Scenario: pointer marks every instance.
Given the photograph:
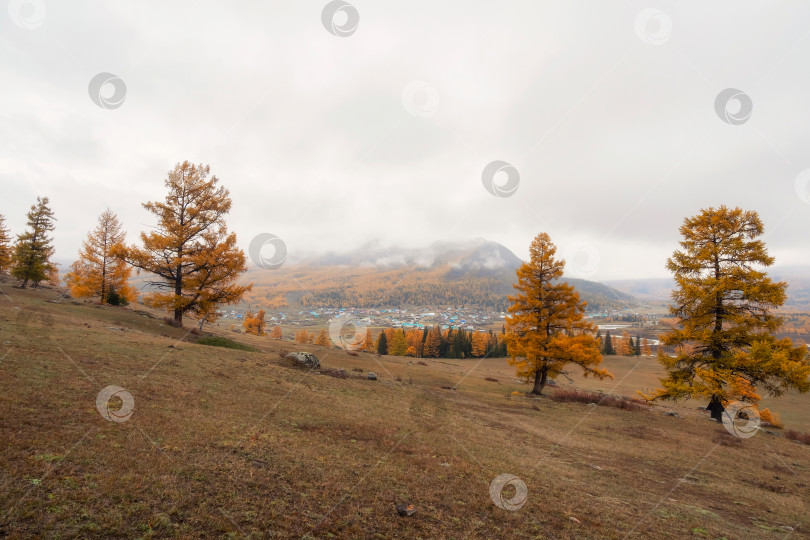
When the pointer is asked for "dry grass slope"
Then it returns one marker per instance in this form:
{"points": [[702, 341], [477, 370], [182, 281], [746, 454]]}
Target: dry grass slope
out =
{"points": [[230, 443]]}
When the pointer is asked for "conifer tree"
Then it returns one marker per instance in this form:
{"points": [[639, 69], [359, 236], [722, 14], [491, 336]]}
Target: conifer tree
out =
{"points": [[97, 273], [33, 250], [546, 326], [196, 260], [5, 245], [382, 344], [724, 303], [607, 347]]}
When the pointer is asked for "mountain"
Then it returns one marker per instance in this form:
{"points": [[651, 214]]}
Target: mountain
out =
{"points": [[660, 289], [477, 273], [650, 289]]}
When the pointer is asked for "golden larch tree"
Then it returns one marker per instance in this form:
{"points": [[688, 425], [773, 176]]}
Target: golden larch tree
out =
{"points": [[433, 343], [322, 339], [5, 245], [98, 272], [276, 333], [197, 261], [724, 305], [254, 324], [480, 343], [546, 328]]}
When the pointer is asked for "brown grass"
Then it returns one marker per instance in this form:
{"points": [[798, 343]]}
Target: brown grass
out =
{"points": [[229, 443]]}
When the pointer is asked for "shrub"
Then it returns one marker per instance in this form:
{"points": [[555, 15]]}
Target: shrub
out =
{"points": [[336, 373], [115, 299], [171, 322], [216, 341], [794, 435], [770, 418], [619, 402]]}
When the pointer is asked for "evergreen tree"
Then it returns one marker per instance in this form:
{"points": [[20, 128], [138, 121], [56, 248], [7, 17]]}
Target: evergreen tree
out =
{"points": [[382, 344], [32, 253], [607, 346], [637, 346]]}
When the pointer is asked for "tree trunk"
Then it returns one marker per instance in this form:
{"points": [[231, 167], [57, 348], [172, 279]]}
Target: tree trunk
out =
{"points": [[540, 377], [178, 292]]}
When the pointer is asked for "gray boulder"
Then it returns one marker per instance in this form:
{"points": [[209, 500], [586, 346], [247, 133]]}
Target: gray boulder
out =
{"points": [[304, 359], [372, 376]]}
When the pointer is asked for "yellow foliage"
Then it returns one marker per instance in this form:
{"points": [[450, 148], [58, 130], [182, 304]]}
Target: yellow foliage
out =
{"points": [[724, 309], [546, 328], [98, 272], [196, 260], [254, 324], [770, 417], [323, 339]]}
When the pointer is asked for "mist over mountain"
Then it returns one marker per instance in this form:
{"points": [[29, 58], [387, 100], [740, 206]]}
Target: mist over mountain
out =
{"points": [[478, 272], [660, 289]]}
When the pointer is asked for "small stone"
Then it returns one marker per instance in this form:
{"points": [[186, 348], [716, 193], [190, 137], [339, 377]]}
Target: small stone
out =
{"points": [[405, 509], [787, 528], [575, 520], [672, 413], [372, 376]]}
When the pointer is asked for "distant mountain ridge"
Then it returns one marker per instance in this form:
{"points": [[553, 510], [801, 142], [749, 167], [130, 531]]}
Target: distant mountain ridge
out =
{"points": [[660, 289], [474, 273]]}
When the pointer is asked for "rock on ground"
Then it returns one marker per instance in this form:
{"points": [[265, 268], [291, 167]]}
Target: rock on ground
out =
{"points": [[304, 359]]}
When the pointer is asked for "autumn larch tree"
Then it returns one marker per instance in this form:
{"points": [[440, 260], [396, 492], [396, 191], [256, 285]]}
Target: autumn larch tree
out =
{"points": [[254, 324], [5, 245], [276, 333], [546, 328], [368, 341], [191, 251], [433, 342], [31, 260], [398, 345], [322, 339], [724, 303], [98, 273]]}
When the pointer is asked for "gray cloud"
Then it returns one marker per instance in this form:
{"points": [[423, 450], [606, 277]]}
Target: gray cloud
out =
{"points": [[616, 140]]}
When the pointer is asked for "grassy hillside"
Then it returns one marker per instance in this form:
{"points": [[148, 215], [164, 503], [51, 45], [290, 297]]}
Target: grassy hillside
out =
{"points": [[371, 287], [233, 443]]}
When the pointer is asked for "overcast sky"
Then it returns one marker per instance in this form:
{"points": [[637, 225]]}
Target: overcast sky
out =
{"points": [[606, 111]]}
